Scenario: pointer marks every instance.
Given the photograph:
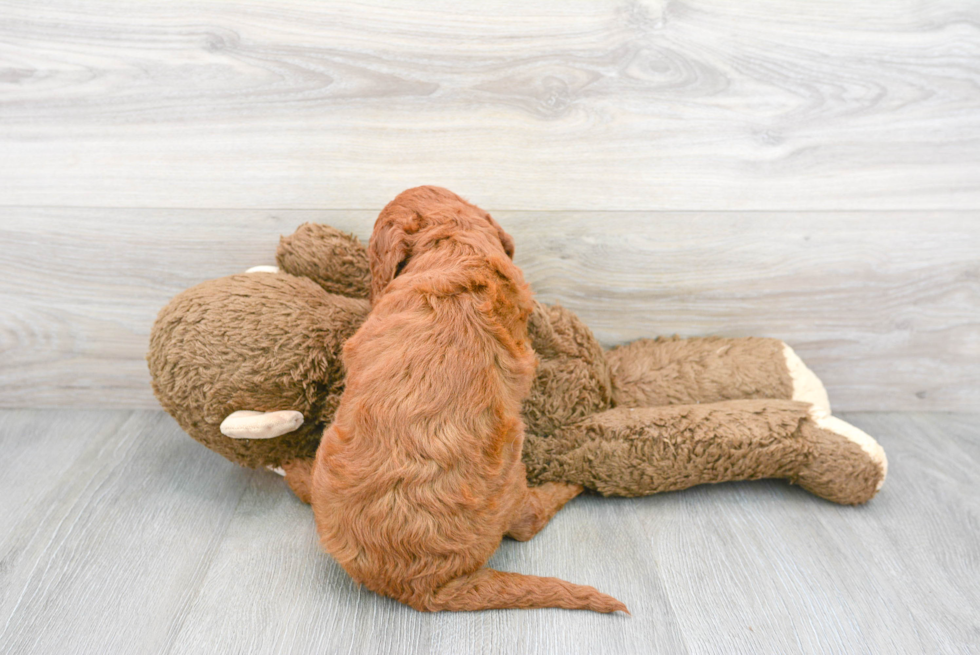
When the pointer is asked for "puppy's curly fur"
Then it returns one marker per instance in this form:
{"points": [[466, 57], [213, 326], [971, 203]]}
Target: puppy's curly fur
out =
{"points": [[420, 475]]}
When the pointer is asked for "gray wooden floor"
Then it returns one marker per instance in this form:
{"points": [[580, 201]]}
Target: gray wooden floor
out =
{"points": [[121, 535]]}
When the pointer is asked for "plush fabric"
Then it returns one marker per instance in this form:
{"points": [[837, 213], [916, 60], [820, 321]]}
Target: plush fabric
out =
{"points": [[674, 371], [272, 342], [261, 341]]}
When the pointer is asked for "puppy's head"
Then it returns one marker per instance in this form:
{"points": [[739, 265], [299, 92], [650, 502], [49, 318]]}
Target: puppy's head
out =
{"points": [[421, 217]]}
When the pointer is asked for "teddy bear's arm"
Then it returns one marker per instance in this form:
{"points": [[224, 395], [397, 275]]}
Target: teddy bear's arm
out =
{"points": [[335, 260], [674, 371], [639, 451]]}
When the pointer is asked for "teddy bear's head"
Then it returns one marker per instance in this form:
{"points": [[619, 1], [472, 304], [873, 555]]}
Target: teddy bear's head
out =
{"points": [[269, 342]]}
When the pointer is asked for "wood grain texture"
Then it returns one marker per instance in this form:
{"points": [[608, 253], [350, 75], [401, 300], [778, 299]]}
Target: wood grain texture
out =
{"points": [[884, 306], [115, 526], [136, 539], [542, 105]]}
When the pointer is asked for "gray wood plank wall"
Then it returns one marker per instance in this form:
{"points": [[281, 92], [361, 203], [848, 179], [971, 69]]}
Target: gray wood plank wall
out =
{"points": [[803, 170]]}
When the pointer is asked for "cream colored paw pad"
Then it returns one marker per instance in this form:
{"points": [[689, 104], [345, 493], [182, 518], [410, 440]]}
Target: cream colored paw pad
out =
{"points": [[807, 387]]}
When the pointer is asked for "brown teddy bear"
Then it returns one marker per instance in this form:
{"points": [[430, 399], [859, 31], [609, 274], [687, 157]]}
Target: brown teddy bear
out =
{"points": [[249, 365]]}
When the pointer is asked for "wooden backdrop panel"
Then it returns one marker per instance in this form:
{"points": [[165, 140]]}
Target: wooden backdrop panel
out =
{"points": [[884, 306], [541, 105]]}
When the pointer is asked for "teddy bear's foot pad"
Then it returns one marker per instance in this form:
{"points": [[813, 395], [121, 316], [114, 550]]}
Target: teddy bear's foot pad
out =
{"points": [[807, 387]]}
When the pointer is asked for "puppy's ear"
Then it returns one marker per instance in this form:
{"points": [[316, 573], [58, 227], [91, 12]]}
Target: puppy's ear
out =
{"points": [[389, 248], [505, 239]]}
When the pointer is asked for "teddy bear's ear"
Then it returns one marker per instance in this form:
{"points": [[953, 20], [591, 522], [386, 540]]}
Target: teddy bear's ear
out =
{"points": [[390, 247]]}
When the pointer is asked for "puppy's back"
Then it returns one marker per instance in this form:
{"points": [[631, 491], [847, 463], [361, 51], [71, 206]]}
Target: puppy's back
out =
{"points": [[420, 476], [412, 480]]}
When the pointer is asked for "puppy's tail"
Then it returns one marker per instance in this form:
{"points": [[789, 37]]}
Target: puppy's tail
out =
{"points": [[486, 589]]}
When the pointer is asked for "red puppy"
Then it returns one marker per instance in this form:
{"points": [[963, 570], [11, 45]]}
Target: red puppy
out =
{"points": [[420, 476]]}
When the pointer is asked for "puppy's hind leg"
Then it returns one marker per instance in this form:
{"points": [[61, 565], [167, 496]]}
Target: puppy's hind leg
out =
{"points": [[299, 477], [540, 505]]}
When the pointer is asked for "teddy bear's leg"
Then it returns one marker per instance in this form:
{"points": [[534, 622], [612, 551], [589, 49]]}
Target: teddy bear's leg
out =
{"points": [[674, 371], [838, 468], [540, 506], [638, 451], [336, 261]]}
